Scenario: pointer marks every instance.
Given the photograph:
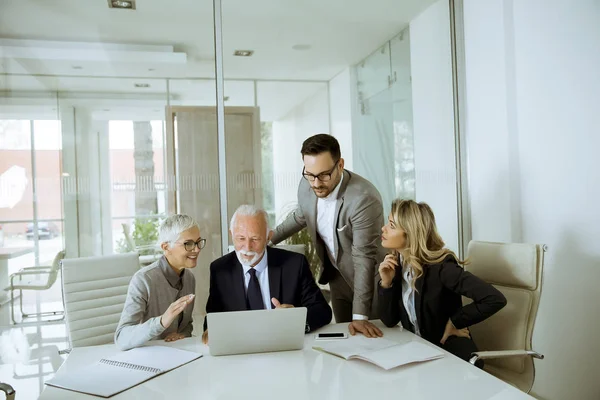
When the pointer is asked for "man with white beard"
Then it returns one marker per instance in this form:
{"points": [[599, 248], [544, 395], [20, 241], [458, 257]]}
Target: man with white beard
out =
{"points": [[256, 277]]}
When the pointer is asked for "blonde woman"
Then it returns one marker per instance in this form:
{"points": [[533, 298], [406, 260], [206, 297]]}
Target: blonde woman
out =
{"points": [[422, 282]]}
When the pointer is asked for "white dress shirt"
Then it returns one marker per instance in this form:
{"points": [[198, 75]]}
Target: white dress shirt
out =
{"points": [[262, 273], [408, 298], [326, 227], [326, 221]]}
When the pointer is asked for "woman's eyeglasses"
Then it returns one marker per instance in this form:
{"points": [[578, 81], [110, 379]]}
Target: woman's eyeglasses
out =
{"points": [[189, 245]]}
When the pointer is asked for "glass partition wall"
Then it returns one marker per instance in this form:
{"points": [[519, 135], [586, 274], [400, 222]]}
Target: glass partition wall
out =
{"points": [[109, 118]]}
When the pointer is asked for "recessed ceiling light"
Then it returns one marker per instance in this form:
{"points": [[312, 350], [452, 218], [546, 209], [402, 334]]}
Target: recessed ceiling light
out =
{"points": [[141, 85], [243, 53], [301, 47], [122, 4], [77, 67]]}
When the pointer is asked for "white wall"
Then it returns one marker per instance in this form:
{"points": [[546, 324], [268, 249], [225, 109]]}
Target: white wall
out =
{"points": [[340, 108], [533, 118], [433, 117], [306, 119]]}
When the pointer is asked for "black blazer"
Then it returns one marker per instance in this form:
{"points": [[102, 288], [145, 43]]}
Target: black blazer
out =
{"points": [[438, 298], [290, 281]]}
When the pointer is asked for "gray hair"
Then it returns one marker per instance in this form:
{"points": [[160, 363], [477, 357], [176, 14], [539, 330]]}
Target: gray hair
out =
{"points": [[173, 226], [249, 210]]}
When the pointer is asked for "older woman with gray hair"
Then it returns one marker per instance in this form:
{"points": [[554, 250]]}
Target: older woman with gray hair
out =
{"points": [[160, 299]]}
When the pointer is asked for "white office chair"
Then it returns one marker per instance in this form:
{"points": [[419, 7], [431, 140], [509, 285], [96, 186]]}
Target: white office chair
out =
{"points": [[145, 259], [94, 290], [505, 339], [27, 279]]}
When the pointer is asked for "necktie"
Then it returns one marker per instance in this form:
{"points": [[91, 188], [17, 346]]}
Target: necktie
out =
{"points": [[254, 295]]}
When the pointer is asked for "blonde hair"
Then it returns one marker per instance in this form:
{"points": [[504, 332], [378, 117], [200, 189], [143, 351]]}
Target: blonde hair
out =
{"points": [[423, 245]]}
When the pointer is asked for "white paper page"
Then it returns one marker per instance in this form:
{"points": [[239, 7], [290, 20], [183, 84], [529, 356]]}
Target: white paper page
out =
{"points": [[354, 345], [103, 379], [162, 357], [100, 379], [402, 354]]}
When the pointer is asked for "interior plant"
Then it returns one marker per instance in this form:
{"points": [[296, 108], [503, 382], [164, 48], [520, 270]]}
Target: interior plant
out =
{"points": [[144, 235], [310, 251]]}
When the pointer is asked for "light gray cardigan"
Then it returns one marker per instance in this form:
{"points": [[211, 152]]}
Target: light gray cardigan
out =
{"points": [[151, 291]]}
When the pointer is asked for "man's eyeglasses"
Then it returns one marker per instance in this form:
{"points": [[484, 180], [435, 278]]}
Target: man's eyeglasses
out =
{"points": [[190, 244], [323, 176]]}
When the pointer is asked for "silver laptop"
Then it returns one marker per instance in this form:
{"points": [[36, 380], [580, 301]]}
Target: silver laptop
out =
{"points": [[260, 331]]}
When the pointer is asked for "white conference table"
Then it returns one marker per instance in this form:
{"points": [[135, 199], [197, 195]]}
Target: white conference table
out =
{"points": [[7, 253], [302, 374]]}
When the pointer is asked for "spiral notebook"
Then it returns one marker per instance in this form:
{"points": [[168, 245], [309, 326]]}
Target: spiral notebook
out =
{"points": [[123, 370]]}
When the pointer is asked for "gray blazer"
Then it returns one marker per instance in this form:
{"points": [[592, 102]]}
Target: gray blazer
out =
{"points": [[151, 291], [359, 219]]}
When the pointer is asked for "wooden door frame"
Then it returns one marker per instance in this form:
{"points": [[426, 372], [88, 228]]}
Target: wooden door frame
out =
{"points": [[171, 167]]}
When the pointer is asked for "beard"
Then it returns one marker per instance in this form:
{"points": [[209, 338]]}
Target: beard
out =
{"points": [[255, 257], [321, 191]]}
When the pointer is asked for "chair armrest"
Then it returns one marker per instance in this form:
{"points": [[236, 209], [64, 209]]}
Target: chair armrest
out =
{"points": [[483, 355], [23, 273], [8, 390], [35, 268], [29, 273]]}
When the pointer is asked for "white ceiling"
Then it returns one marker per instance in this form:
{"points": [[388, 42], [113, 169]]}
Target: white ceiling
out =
{"points": [[340, 33]]}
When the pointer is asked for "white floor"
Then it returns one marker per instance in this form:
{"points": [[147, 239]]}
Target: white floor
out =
{"points": [[29, 352]]}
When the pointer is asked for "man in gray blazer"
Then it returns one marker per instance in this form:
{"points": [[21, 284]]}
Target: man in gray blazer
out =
{"points": [[344, 215]]}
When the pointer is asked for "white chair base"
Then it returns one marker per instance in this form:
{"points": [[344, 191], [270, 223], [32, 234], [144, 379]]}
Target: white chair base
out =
{"points": [[24, 315]]}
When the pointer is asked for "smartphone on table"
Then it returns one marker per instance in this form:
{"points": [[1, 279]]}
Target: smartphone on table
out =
{"points": [[331, 335]]}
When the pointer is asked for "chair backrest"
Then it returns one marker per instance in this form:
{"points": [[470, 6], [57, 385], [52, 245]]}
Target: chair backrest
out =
{"points": [[55, 267], [94, 290], [296, 248], [515, 269]]}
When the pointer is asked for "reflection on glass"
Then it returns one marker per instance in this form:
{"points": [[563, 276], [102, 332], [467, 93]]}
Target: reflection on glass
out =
{"points": [[20, 235], [289, 112], [194, 185], [404, 158], [137, 166], [48, 168], [266, 140], [16, 185], [138, 235], [385, 127]]}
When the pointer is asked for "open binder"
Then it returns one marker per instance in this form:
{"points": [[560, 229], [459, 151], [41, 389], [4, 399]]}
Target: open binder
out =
{"points": [[123, 370], [384, 353]]}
